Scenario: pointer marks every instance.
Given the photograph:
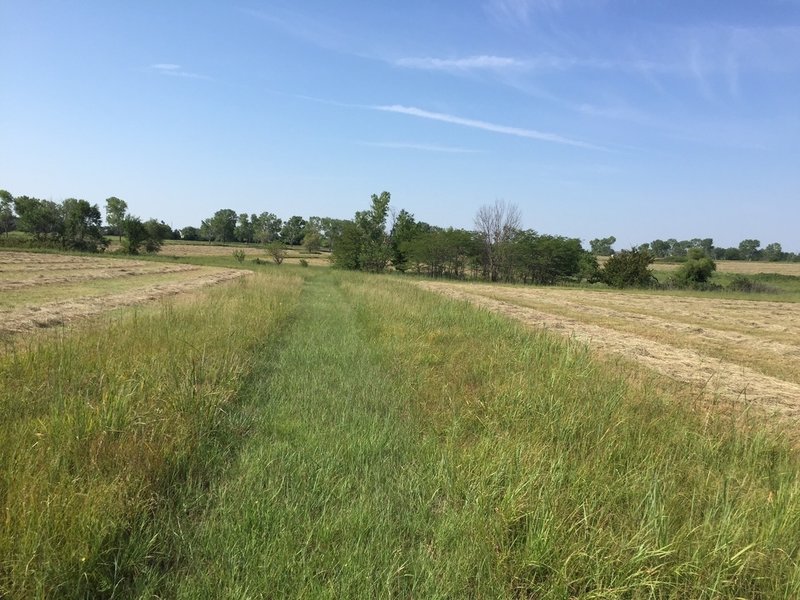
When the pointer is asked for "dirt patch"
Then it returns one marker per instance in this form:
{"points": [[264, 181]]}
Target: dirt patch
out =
{"points": [[710, 377]]}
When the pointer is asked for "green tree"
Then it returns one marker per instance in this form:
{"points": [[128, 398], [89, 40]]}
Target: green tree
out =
{"points": [[190, 233], [267, 227], [44, 219], [403, 231], [293, 231], [602, 246], [496, 225], [135, 234], [697, 269], [629, 268], [660, 248], [81, 229], [773, 252], [116, 210], [244, 228], [222, 226], [749, 249], [7, 220], [312, 241]]}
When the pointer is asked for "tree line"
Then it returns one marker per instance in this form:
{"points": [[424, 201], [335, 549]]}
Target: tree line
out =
{"points": [[497, 249]]}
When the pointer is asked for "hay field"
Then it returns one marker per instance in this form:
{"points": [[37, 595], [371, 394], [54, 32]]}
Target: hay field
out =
{"points": [[43, 290], [732, 350], [199, 249]]}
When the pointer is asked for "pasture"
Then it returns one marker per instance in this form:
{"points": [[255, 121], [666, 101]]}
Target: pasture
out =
{"points": [[326, 434]]}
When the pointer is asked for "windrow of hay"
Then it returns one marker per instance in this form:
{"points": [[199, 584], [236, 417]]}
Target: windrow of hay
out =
{"points": [[710, 376], [31, 279], [64, 311]]}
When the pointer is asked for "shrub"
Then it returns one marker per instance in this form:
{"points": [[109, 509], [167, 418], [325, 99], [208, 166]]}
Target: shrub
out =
{"points": [[629, 268], [696, 271], [239, 255], [303, 262]]}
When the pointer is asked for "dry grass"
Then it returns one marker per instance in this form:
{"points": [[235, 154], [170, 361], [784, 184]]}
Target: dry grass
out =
{"points": [[740, 267], [293, 255], [43, 290], [724, 349]]}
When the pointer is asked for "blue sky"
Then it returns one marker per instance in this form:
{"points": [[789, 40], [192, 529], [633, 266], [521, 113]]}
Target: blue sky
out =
{"points": [[637, 119]]}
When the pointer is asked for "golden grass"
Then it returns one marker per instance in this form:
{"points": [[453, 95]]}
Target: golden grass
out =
{"points": [[43, 290], [729, 349]]}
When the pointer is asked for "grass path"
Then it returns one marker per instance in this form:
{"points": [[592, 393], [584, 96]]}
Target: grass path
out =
{"points": [[330, 496]]}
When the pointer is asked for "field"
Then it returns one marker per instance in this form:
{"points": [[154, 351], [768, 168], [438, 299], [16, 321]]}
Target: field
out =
{"points": [[734, 350], [43, 290], [322, 434], [201, 250]]}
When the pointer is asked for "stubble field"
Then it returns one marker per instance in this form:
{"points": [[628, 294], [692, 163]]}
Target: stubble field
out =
{"points": [[44, 290], [735, 350]]}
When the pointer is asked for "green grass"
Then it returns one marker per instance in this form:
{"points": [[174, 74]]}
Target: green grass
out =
{"points": [[368, 439]]}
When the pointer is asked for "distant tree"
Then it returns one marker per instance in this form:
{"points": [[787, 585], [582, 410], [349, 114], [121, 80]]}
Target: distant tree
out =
{"points": [[135, 234], [629, 268], [116, 210], [267, 227], [293, 231], [7, 220], [732, 254], [41, 218], [244, 231], [544, 259], [773, 252], [222, 226], [312, 241], [602, 246], [403, 231], [81, 229], [749, 249], [330, 230], [156, 232], [190, 233], [660, 248], [496, 225]]}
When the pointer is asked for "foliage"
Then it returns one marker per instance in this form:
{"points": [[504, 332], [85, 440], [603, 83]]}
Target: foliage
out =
{"points": [[303, 262], [277, 251], [363, 243], [629, 268], [239, 255], [602, 246], [293, 231], [7, 219], [696, 271], [544, 259], [312, 241], [81, 229], [116, 210], [496, 226], [190, 233], [221, 227]]}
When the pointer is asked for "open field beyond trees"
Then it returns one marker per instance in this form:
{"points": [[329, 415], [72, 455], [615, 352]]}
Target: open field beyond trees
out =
{"points": [[318, 433]]}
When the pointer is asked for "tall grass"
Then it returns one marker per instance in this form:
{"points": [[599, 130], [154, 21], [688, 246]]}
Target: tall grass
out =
{"points": [[112, 432], [410, 446], [391, 444]]}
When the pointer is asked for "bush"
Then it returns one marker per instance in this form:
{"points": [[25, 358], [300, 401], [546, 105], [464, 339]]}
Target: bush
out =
{"points": [[740, 283], [629, 268], [303, 262], [696, 271], [239, 255]]}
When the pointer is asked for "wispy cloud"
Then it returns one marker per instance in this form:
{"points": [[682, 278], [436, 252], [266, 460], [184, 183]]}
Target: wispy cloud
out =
{"points": [[422, 147], [485, 126], [468, 63], [519, 10], [173, 70]]}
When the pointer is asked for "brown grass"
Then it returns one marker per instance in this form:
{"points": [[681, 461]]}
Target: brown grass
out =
{"points": [[726, 349], [43, 290], [741, 267]]}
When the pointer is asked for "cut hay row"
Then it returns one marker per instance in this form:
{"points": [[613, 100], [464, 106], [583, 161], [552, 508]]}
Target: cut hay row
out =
{"points": [[709, 376], [65, 311], [36, 278]]}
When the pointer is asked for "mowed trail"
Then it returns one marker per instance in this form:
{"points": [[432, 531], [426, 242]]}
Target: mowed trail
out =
{"points": [[729, 349], [44, 290]]}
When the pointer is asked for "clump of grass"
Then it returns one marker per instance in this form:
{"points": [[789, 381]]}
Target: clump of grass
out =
{"points": [[113, 428]]}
